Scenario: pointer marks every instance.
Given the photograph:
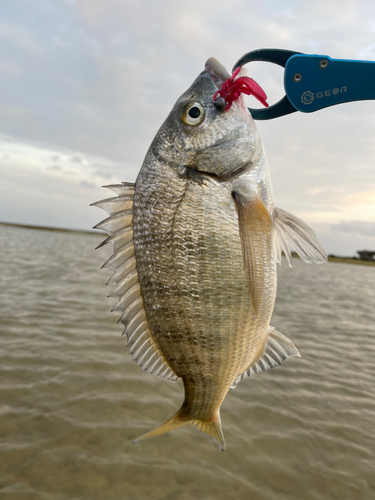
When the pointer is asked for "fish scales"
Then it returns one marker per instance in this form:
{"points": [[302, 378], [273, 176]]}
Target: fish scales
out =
{"points": [[198, 280], [193, 273]]}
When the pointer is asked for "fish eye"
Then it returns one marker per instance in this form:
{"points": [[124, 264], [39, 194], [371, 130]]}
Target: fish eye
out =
{"points": [[193, 114]]}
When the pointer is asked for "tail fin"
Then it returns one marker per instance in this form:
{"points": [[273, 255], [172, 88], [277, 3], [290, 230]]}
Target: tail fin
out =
{"points": [[212, 428]]}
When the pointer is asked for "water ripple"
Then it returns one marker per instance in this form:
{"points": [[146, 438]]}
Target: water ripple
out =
{"points": [[72, 400]]}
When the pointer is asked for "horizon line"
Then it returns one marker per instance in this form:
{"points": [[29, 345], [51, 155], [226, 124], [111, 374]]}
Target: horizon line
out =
{"points": [[50, 228]]}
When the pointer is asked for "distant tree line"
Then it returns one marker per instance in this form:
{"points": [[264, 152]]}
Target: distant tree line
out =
{"points": [[362, 255], [366, 254]]}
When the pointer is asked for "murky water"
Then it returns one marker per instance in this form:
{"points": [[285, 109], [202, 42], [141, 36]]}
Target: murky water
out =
{"points": [[72, 400]]}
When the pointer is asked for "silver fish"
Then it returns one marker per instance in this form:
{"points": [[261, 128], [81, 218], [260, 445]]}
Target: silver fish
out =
{"points": [[196, 240]]}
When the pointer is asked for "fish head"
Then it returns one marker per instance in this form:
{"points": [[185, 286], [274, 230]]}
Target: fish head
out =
{"points": [[202, 135]]}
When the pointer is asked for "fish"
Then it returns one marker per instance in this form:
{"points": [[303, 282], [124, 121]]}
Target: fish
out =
{"points": [[196, 241]]}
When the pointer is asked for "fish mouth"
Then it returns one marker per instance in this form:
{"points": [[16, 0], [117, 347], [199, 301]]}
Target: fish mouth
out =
{"points": [[215, 151], [198, 175], [217, 71]]}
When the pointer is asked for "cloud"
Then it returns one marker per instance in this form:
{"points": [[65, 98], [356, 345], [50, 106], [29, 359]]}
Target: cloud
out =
{"points": [[18, 35], [86, 85], [55, 168], [76, 159], [355, 227], [86, 184]]}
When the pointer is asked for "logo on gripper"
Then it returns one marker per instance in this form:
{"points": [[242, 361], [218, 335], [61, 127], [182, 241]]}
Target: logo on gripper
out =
{"points": [[307, 97]]}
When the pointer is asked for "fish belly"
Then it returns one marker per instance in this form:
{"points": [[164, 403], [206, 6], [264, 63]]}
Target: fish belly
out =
{"points": [[195, 290]]}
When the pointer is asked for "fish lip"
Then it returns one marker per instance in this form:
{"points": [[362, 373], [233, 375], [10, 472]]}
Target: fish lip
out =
{"points": [[237, 171], [198, 175]]}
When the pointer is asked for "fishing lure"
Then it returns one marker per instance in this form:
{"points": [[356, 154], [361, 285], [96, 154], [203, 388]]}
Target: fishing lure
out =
{"points": [[236, 85]]}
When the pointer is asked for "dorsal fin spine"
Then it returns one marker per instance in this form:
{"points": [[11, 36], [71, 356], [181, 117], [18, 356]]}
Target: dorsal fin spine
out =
{"points": [[142, 326], [132, 349], [119, 226]]}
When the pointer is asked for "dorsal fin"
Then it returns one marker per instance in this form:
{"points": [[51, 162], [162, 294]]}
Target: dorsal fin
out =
{"points": [[278, 348], [119, 226]]}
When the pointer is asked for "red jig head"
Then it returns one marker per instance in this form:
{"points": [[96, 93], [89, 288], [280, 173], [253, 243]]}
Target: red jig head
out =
{"points": [[233, 87]]}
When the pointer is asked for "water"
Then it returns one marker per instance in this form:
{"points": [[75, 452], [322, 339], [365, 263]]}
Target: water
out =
{"points": [[72, 400]]}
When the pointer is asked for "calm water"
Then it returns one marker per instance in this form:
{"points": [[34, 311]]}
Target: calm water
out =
{"points": [[72, 400]]}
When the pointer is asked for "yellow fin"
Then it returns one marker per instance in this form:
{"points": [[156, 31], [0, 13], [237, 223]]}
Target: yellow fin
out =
{"points": [[255, 227], [212, 428]]}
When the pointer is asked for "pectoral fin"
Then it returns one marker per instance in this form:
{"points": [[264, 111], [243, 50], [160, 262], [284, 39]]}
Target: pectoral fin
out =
{"points": [[290, 231], [255, 228]]}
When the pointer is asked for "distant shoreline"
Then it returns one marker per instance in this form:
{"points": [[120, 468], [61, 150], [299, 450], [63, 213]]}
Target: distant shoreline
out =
{"points": [[54, 229], [346, 260], [343, 260]]}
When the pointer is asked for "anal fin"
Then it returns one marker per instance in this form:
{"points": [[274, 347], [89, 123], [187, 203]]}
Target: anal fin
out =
{"points": [[278, 349]]}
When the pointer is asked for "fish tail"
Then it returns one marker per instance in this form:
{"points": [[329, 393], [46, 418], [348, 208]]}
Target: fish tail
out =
{"points": [[173, 423], [210, 427]]}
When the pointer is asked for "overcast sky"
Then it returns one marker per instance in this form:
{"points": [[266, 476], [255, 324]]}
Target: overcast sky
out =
{"points": [[85, 85]]}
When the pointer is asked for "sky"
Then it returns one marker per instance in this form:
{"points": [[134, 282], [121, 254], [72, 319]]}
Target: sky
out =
{"points": [[85, 85]]}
